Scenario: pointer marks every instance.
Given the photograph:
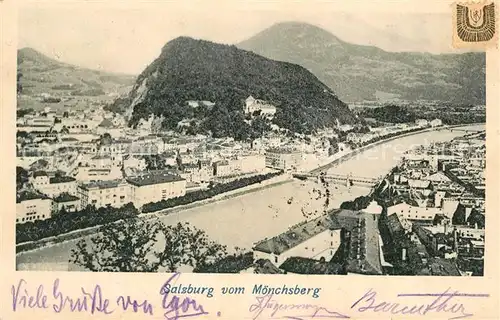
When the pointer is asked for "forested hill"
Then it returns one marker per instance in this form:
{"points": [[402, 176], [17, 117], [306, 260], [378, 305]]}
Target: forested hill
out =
{"points": [[189, 69]]}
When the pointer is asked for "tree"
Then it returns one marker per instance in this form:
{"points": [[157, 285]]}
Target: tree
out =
{"points": [[21, 177], [19, 85], [136, 245], [106, 139], [476, 218], [459, 215]]}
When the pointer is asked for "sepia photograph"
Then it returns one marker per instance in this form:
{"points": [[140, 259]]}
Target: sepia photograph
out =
{"points": [[258, 141]]}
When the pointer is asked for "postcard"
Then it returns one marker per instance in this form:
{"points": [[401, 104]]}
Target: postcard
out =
{"points": [[249, 159]]}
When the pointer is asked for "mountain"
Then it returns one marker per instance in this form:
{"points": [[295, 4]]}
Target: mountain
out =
{"points": [[365, 73], [189, 69], [39, 74]]}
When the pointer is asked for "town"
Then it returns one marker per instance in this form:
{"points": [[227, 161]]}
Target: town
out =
{"points": [[69, 160], [425, 218]]}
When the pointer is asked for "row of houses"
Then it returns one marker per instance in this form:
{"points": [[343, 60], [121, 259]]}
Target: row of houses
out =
{"points": [[55, 194]]}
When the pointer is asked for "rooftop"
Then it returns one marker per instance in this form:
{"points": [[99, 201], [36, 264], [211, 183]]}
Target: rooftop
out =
{"points": [[61, 179], [29, 195], [297, 234], [153, 178], [102, 184], [310, 266], [37, 174], [65, 197], [106, 123]]}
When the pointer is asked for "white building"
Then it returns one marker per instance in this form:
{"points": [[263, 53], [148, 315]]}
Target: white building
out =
{"points": [[252, 163], [313, 244], [114, 193], [155, 187], [137, 163], [53, 186], [252, 105], [32, 207], [411, 213], [436, 123], [421, 122], [283, 159], [87, 174]]}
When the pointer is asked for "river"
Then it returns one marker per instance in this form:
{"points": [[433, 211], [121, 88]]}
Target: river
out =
{"points": [[246, 219]]}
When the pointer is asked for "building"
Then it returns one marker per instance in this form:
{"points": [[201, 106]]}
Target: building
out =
{"points": [[134, 162], [413, 213], [252, 163], [115, 193], [255, 105], [421, 122], [224, 168], [155, 187], [283, 159], [53, 186], [66, 201], [87, 174], [436, 123], [315, 239], [32, 206], [354, 233]]}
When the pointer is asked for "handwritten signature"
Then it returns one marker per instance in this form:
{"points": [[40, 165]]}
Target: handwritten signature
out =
{"points": [[93, 301], [177, 308], [285, 311], [442, 302]]}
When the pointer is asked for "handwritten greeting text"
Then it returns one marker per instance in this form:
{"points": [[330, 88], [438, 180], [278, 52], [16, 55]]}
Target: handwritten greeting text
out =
{"points": [[94, 301]]}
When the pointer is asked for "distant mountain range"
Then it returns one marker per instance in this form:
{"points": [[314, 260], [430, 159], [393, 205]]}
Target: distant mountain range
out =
{"points": [[365, 73], [189, 69], [39, 74]]}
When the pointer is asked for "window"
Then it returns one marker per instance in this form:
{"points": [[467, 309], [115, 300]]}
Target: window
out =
{"points": [[275, 259]]}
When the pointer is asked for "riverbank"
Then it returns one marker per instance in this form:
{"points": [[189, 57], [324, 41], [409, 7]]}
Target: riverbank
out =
{"points": [[243, 220], [73, 235], [267, 184]]}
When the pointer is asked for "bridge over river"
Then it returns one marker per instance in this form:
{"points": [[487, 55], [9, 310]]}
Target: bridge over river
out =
{"points": [[343, 179]]}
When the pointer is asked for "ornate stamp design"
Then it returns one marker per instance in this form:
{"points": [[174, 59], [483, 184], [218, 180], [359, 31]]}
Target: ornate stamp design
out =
{"points": [[474, 25]]}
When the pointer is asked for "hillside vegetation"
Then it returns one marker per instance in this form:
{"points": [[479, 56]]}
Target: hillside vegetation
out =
{"points": [[189, 69]]}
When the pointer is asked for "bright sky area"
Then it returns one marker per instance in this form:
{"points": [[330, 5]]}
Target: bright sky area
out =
{"points": [[126, 36]]}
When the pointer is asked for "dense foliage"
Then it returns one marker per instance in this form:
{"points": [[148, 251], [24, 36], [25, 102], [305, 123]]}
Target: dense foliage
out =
{"points": [[206, 194], [189, 69], [449, 114], [63, 223], [137, 245], [230, 264]]}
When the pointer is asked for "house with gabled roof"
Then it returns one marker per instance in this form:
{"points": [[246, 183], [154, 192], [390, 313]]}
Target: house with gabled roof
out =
{"points": [[356, 232]]}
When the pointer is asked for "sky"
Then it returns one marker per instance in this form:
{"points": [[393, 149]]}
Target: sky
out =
{"points": [[125, 36]]}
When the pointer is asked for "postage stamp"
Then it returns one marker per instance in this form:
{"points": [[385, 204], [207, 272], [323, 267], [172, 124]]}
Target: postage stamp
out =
{"points": [[249, 159], [475, 25]]}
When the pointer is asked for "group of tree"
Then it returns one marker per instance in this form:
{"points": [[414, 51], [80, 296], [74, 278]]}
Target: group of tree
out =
{"points": [[21, 177], [448, 114], [139, 245], [226, 76], [71, 221]]}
